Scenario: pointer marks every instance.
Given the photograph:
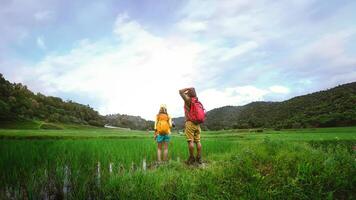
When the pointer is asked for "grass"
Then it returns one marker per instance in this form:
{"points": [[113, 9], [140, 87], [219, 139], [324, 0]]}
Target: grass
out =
{"points": [[25, 124], [287, 164], [20, 124], [70, 134]]}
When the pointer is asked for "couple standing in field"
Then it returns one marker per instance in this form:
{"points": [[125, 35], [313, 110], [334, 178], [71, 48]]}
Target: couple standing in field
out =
{"points": [[194, 116]]}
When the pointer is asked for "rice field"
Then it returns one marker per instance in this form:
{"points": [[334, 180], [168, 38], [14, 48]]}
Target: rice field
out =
{"points": [[238, 164]]}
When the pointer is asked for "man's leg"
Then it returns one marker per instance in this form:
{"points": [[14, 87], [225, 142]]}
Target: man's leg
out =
{"points": [[189, 133], [165, 153], [191, 158], [198, 159], [197, 142], [191, 148], [159, 150], [198, 149]]}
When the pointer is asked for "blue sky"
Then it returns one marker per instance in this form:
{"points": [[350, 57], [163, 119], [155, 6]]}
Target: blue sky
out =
{"points": [[129, 57]]}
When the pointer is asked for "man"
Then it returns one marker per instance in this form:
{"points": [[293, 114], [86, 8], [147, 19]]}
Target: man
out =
{"points": [[192, 130]]}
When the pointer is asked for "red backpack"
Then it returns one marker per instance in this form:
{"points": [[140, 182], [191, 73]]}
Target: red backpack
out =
{"points": [[196, 113]]}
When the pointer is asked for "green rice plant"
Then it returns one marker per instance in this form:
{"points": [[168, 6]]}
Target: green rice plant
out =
{"points": [[75, 164]]}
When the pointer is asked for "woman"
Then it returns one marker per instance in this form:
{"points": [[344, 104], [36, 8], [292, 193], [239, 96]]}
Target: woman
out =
{"points": [[162, 128]]}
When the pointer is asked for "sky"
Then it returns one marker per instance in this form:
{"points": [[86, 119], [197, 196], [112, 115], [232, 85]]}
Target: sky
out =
{"points": [[129, 57]]}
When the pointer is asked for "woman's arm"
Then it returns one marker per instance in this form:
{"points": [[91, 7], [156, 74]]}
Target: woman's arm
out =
{"points": [[155, 127], [170, 121]]}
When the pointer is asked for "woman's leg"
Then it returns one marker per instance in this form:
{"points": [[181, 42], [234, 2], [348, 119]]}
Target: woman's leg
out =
{"points": [[165, 153], [159, 150]]}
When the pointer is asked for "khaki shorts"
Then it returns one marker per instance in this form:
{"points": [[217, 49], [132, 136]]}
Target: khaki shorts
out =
{"points": [[192, 131]]}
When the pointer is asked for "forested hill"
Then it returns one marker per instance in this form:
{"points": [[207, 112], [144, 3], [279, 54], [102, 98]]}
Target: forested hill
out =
{"points": [[128, 121], [333, 107], [19, 103]]}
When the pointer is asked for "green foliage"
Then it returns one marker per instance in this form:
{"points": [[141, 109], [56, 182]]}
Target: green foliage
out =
{"points": [[128, 121], [19, 124], [50, 126], [330, 108], [4, 109], [259, 167], [19, 103]]}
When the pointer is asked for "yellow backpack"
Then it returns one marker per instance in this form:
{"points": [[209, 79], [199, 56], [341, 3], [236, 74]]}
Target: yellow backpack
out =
{"points": [[163, 124]]}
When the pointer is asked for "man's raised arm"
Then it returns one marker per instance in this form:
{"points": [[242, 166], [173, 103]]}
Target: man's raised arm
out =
{"points": [[184, 95]]}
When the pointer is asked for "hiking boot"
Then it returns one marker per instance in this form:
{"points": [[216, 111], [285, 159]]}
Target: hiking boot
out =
{"points": [[198, 160], [190, 160]]}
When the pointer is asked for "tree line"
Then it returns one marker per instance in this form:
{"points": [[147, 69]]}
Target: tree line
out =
{"points": [[329, 108], [128, 121], [17, 102]]}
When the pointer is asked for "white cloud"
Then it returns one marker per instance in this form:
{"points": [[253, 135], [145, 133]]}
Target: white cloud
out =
{"points": [[330, 48], [133, 75], [279, 89], [324, 62], [44, 15], [135, 71], [213, 98], [239, 95], [192, 26], [239, 50], [311, 41], [40, 43], [248, 20]]}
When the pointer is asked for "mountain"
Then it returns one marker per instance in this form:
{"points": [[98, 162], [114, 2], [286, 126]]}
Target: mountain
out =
{"points": [[128, 121], [329, 108], [333, 107], [17, 103], [179, 122]]}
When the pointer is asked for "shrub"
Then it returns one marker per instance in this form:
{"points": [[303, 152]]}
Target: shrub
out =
{"points": [[50, 126], [96, 123]]}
